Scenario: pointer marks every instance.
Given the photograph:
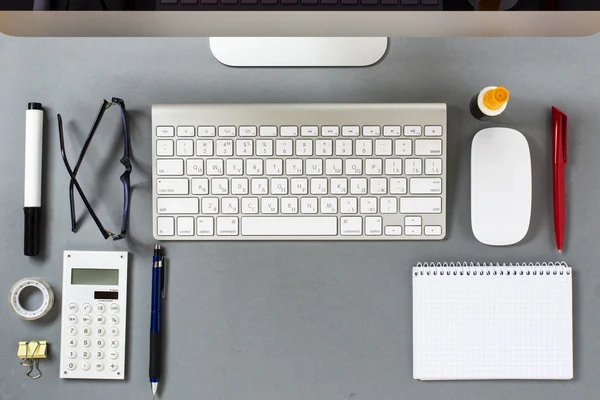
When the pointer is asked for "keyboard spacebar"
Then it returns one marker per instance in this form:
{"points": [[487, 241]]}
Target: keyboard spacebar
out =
{"points": [[289, 226]]}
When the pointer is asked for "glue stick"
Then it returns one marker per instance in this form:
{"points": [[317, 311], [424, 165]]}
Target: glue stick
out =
{"points": [[490, 102]]}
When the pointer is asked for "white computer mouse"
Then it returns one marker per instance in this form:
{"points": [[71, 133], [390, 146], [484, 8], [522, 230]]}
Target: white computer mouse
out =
{"points": [[500, 186]]}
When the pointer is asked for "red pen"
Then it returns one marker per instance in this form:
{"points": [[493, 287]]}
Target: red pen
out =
{"points": [[559, 159]]}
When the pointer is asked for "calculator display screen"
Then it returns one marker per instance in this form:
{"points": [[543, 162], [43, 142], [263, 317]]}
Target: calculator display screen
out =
{"points": [[89, 276], [106, 295]]}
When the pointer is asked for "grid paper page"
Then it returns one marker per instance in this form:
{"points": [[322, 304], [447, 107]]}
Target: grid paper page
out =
{"points": [[492, 326]]}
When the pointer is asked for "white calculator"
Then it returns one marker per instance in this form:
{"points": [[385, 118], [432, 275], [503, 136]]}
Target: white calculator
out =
{"points": [[94, 315]]}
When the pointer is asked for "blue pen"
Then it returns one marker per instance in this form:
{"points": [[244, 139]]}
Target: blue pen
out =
{"points": [[158, 294]]}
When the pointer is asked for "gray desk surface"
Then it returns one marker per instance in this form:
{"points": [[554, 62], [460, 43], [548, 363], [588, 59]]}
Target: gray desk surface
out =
{"points": [[291, 320]]}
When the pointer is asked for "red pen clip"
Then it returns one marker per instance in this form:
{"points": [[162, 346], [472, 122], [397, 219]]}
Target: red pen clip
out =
{"points": [[561, 127]]}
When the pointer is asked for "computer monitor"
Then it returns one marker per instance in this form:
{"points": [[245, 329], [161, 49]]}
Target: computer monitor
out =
{"points": [[304, 32]]}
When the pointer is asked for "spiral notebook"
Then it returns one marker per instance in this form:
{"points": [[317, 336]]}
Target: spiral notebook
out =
{"points": [[480, 321]]}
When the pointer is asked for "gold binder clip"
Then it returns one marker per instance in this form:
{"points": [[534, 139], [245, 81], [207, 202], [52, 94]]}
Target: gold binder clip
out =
{"points": [[30, 354]]}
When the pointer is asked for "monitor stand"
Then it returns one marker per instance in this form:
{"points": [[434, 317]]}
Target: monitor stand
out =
{"points": [[298, 51]]}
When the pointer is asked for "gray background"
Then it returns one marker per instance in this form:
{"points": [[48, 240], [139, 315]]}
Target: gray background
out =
{"points": [[289, 320]]}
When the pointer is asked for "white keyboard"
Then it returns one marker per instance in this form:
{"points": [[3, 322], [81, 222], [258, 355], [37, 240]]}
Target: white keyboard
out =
{"points": [[299, 171]]}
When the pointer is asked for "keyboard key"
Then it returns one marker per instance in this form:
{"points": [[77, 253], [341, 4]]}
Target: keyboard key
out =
{"points": [[420, 205], [314, 166], [333, 166], [289, 205], [358, 186], [433, 130], [260, 186], [219, 186], [349, 2], [224, 148], [308, 205], [289, 226], [351, 226], [239, 186], [309, 131], [177, 205], [373, 166], [289, 2], [299, 186], [234, 166], [378, 186], [354, 166], [227, 226], [264, 147], [268, 130], [368, 205], [249, 205], [288, 130], [293, 166], [349, 205], [329, 205], [428, 147], [392, 230], [188, 131], [425, 185], [206, 131], [343, 147], [244, 147], [210, 205], [318, 186], [413, 166], [383, 147], [172, 186], [227, 131], [373, 226], [247, 131], [164, 148], [214, 167], [391, 130], [279, 186], [433, 230], [269, 205], [413, 230], [339, 186], [371, 130], [194, 167], [324, 147], [403, 147], [330, 130], [369, 2], [185, 147], [185, 227], [433, 166], [309, 1], [364, 147], [254, 166], [274, 166], [393, 166], [284, 147], [169, 167], [329, 2], [389, 2], [304, 147], [165, 131], [200, 186], [412, 130], [350, 130], [204, 226], [204, 147]]}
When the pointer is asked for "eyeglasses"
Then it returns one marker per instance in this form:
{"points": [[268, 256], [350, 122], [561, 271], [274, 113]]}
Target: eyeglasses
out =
{"points": [[125, 160]]}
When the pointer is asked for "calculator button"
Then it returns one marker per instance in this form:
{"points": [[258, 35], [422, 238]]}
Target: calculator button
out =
{"points": [[87, 307], [71, 366], [114, 331], [100, 342], [85, 354], [86, 330], [114, 319], [86, 319], [114, 342], [113, 354], [98, 366], [72, 342], [72, 318], [101, 308], [72, 330], [85, 365], [86, 342], [114, 307], [100, 331], [71, 354], [73, 307], [100, 319], [113, 366], [99, 354]]}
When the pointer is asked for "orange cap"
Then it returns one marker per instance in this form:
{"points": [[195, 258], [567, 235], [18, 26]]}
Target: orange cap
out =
{"points": [[494, 99]]}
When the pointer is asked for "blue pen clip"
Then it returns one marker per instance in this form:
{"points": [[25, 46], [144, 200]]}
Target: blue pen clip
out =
{"points": [[163, 271]]}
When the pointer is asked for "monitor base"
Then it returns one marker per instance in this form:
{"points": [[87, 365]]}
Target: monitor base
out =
{"points": [[298, 51]]}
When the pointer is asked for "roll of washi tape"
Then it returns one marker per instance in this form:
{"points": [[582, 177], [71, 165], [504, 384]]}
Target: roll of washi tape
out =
{"points": [[14, 298]]}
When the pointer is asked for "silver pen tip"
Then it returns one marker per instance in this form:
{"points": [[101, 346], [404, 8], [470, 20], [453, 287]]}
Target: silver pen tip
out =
{"points": [[157, 247]]}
